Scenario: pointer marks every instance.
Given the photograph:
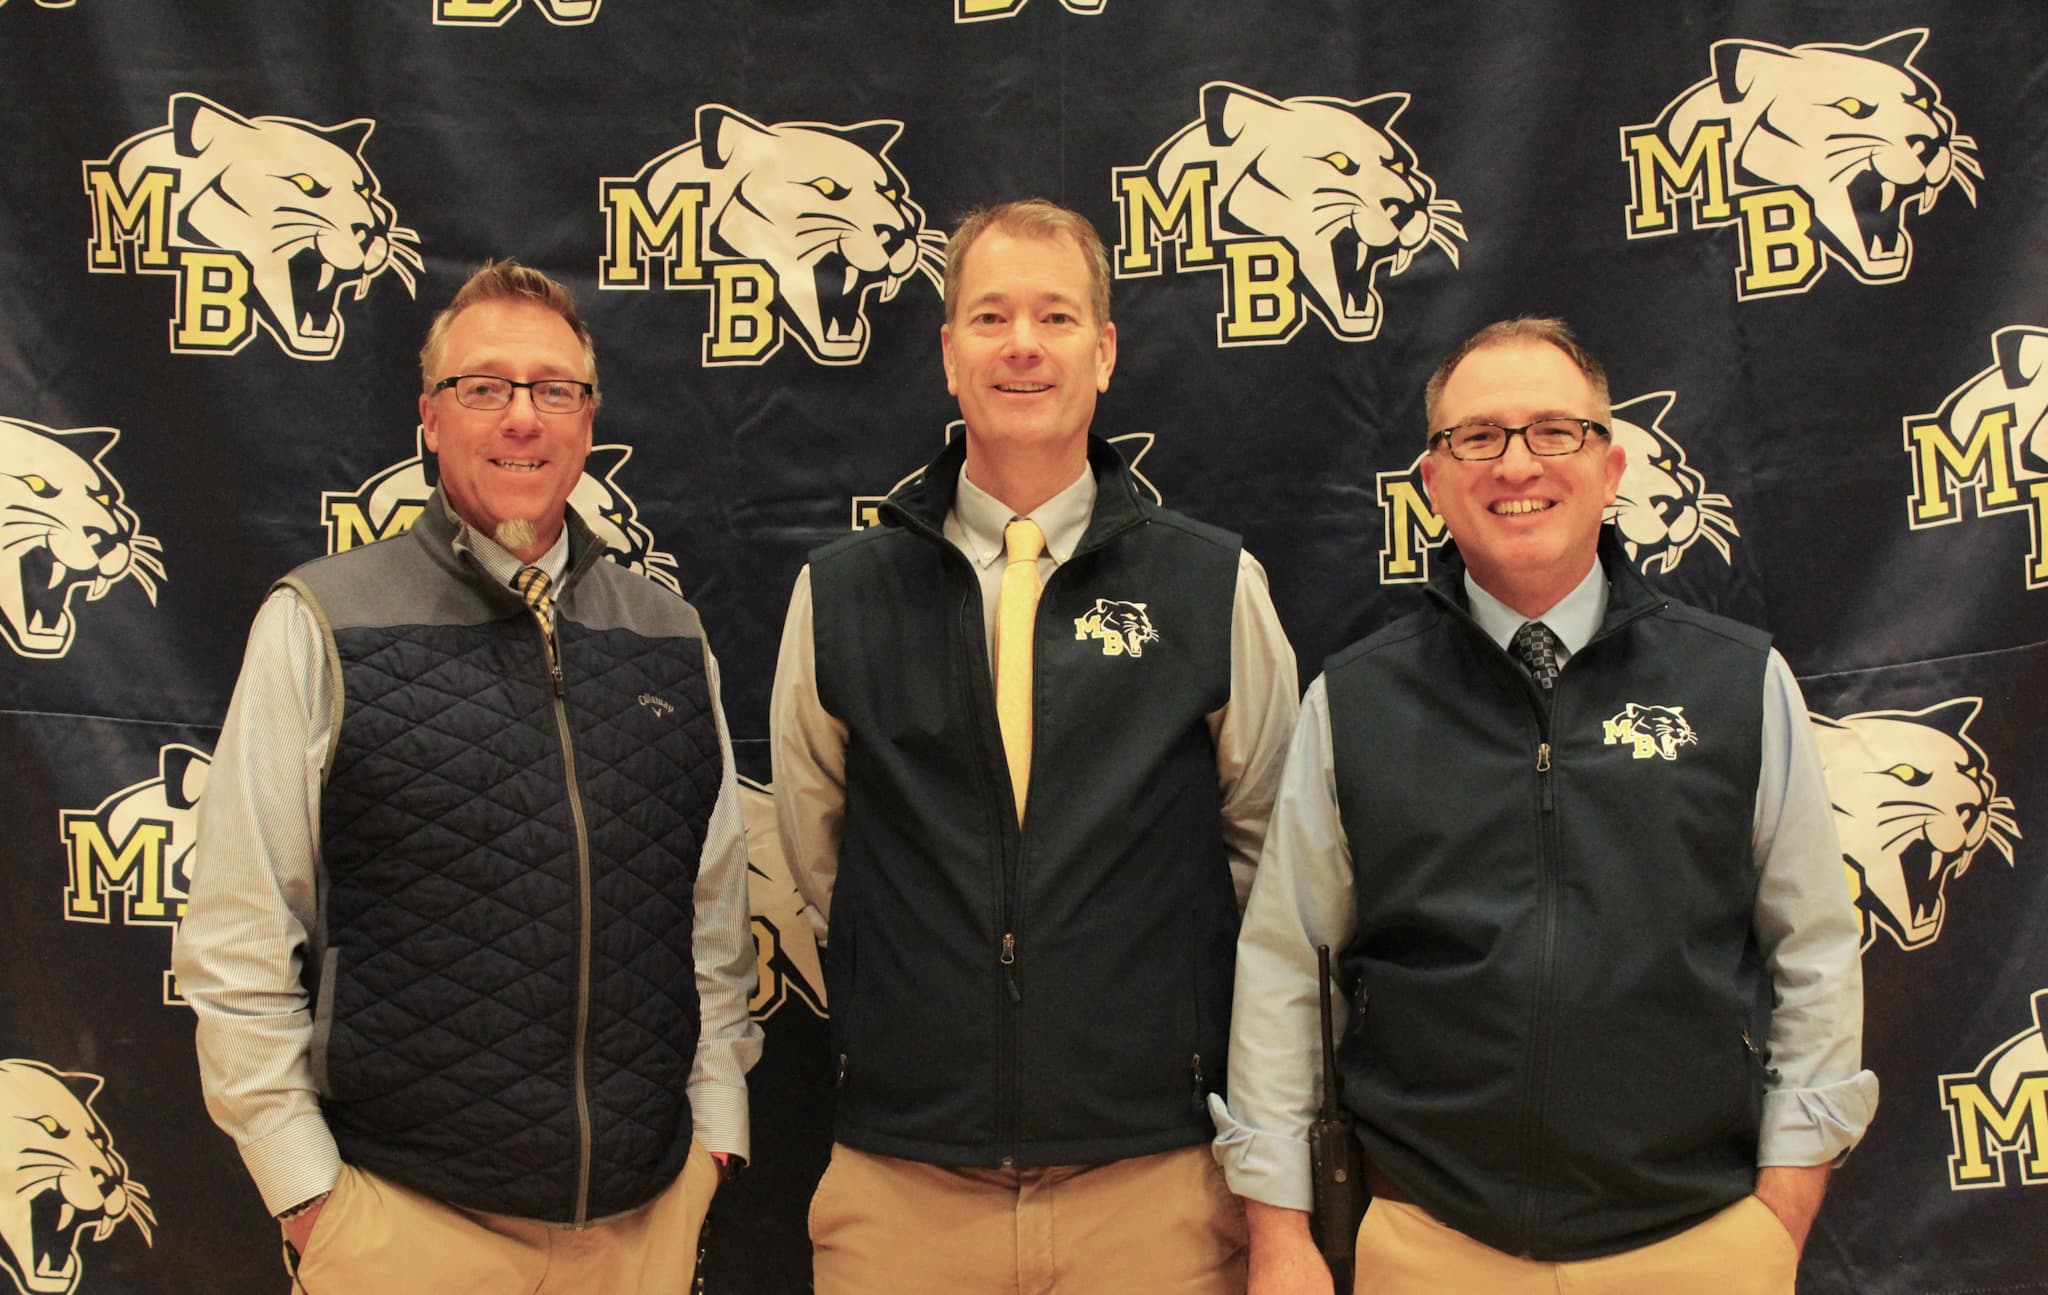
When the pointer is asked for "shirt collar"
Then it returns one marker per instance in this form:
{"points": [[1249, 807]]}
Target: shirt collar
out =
{"points": [[501, 564], [978, 519], [1574, 619]]}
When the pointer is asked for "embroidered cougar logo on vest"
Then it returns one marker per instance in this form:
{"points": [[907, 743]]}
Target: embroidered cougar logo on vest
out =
{"points": [[1914, 802], [1123, 628], [1662, 507], [1650, 730], [1328, 177], [822, 206], [63, 530], [60, 1177], [295, 200], [1856, 128]]}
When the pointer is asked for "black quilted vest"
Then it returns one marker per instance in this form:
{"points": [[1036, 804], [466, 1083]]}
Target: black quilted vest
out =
{"points": [[1553, 1047], [1058, 994], [506, 998]]}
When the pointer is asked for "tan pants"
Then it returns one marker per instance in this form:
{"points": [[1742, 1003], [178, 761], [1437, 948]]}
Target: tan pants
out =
{"points": [[1153, 1225], [374, 1237], [1743, 1250]]}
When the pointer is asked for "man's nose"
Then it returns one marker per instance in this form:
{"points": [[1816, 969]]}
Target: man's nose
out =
{"points": [[1022, 339], [1516, 462]]}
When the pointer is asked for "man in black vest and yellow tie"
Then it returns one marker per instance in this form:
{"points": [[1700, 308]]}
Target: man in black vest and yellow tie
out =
{"points": [[1026, 732], [1570, 843], [468, 929]]}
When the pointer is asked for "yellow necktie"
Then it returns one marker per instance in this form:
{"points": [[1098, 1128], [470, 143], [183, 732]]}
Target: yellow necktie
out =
{"points": [[532, 584], [1016, 613]]}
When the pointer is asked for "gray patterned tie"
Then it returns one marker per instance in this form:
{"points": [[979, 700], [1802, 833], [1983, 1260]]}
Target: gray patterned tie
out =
{"points": [[1536, 647]]}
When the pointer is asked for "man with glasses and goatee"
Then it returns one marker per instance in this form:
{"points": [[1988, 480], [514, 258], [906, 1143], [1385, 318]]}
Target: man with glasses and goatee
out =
{"points": [[1570, 845], [467, 936]]}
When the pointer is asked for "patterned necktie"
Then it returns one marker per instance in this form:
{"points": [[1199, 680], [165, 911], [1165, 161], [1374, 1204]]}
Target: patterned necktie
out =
{"points": [[1016, 614], [1536, 647], [532, 584]]}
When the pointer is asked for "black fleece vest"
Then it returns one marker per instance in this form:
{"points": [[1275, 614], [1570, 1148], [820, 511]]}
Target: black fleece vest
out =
{"points": [[1059, 994], [507, 1008], [1556, 972]]}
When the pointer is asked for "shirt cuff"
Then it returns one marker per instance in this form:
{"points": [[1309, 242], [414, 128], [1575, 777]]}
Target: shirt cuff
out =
{"points": [[1260, 1166], [718, 1116], [1816, 1126], [294, 1164]]}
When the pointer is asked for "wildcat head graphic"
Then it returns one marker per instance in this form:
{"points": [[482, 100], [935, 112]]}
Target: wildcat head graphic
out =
{"points": [[1662, 507], [1308, 201], [63, 1181], [1825, 150], [64, 530], [1985, 450], [1914, 802], [390, 501], [793, 226], [1650, 731], [264, 220]]}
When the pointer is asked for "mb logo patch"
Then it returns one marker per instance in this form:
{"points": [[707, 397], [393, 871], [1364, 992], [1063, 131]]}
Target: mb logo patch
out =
{"points": [[1817, 153], [1122, 628], [1651, 732], [61, 1181], [1301, 202], [263, 220], [791, 227]]}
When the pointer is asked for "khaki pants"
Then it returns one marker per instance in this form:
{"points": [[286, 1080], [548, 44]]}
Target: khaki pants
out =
{"points": [[1743, 1250], [1153, 1225], [374, 1237]]}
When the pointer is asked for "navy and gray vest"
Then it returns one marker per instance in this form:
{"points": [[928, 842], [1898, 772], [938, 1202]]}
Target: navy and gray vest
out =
{"points": [[1556, 975], [506, 999], [1057, 994]]}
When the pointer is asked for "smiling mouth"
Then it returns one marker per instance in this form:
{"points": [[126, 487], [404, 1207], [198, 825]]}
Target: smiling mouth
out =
{"points": [[1023, 388], [520, 465], [1521, 507]]}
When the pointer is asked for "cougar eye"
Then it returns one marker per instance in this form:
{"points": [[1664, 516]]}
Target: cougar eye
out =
{"points": [[38, 486], [830, 187], [1854, 107], [1341, 162], [49, 1125], [1907, 774], [308, 185]]}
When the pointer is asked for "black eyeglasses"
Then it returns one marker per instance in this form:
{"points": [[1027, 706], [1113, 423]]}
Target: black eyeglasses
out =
{"points": [[1549, 437], [487, 391]]}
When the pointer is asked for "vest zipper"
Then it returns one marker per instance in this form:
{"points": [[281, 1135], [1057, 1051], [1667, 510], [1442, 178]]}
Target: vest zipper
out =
{"points": [[583, 931], [1544, 1022]]}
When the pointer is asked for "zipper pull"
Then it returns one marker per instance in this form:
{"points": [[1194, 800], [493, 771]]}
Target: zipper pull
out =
{"points": [[839, 1074], [1009, 960], [1543, 757], [1201, 1093]]}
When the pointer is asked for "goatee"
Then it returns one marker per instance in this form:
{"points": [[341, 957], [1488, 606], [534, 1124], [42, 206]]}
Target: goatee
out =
{"points": [[516, 536]]}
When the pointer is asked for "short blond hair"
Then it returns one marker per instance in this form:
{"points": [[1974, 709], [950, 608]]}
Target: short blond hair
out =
{"points": [[1522, 328], [505, 280], [1031, 218]]}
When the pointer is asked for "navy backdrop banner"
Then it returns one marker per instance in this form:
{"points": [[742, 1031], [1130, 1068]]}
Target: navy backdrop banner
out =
{"points": [[1809, 240]]}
